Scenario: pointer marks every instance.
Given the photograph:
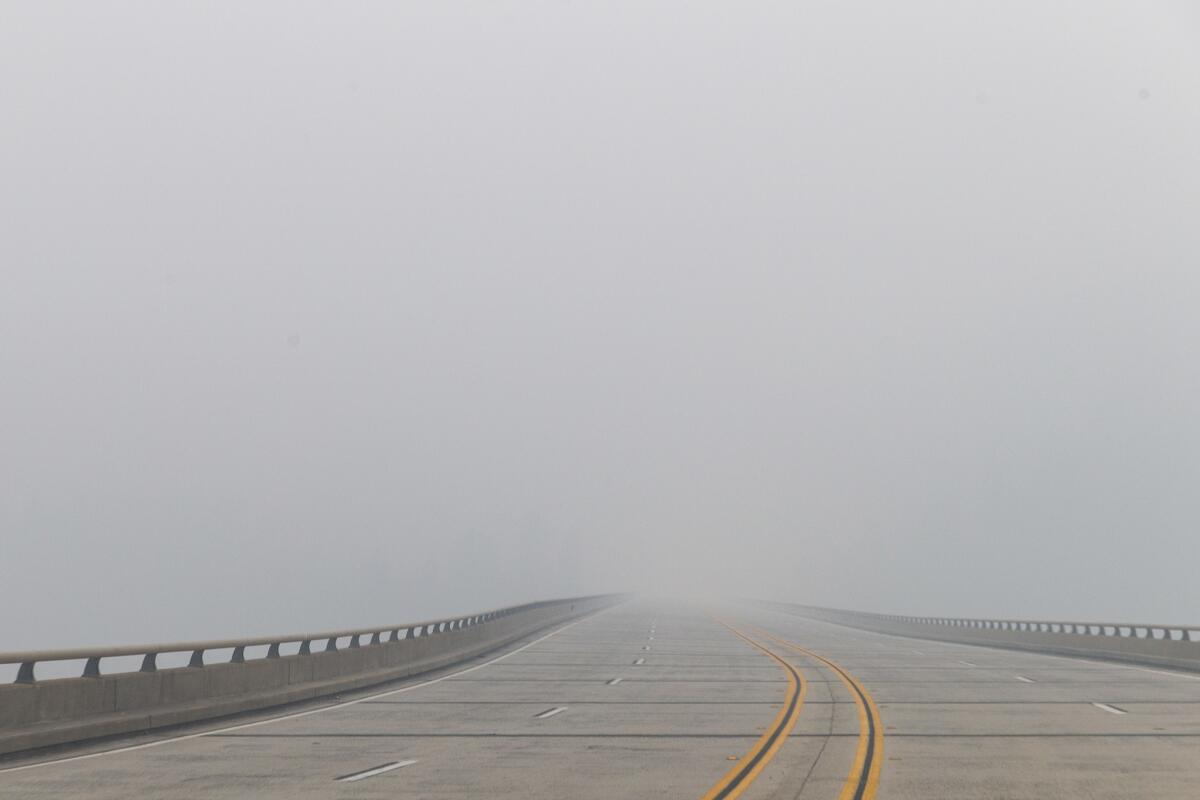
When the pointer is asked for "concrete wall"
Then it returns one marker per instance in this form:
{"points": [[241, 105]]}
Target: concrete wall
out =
{"points": [[1175, 647], [52, 712]]}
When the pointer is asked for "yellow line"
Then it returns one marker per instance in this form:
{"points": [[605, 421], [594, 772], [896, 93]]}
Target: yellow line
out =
{"points": [[739, 777], [869, 728]]}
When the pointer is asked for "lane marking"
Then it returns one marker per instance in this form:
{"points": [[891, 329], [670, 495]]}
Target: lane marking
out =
{"points": [[1157, 671], [299, 714], [1110, 709], [639, 662], [614, 682], [741, 775], [1114, 664], [1024, 679], [373, 771], [550, 712], [646, 647], [863, 780], [968, 664]]}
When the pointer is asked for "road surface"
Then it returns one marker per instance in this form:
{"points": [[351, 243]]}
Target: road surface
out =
{"points": [[651, 699]]}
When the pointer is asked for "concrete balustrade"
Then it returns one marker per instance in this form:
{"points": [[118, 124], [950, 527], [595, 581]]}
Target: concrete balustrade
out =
{"points": [[1174, 646], [39, 713]]}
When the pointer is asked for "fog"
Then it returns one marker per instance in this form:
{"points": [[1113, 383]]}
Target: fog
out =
{"points": [[329, 314]]}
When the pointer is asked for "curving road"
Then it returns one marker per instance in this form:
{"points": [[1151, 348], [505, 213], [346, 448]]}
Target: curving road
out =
{"points": [[659, 700]]}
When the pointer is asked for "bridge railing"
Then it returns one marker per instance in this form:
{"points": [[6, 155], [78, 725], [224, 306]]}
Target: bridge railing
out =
{"points": [[1176, 646], [222, 678], [326, 641]]}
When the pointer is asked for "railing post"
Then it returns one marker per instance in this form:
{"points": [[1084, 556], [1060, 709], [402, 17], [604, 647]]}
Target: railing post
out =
{"points": [[197, 659], [92, 668], [25, 672], [239, 656], [150, 662]]}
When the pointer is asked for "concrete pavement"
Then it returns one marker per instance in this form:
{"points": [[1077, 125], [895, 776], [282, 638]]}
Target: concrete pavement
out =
{"points": [[954, 721]]}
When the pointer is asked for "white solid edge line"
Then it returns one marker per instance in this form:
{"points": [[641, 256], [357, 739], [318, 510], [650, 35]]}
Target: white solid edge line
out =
{"points": [[1114, 664], [1108, 708], [298, 714], [367, 773], [1162, 672]]}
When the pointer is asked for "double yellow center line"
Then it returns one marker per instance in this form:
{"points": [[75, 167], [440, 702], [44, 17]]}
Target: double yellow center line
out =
{"points": [[863, 779], [736, 780]]}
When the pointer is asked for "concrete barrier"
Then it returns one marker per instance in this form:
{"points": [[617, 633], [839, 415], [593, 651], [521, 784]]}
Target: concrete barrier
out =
{"points": [[1174, 646], [40, 713]]}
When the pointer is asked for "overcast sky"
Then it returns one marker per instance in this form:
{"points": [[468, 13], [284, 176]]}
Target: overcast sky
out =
{"points": [[318, 314]]}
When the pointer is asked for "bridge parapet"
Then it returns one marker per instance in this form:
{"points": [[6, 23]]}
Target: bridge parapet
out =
{"points": [[38, 713], [1174, 646]]}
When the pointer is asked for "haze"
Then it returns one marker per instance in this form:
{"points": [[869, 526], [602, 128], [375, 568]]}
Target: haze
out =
{"points": [[326, 314]]}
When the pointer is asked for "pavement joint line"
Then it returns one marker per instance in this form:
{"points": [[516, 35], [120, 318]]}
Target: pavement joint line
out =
{"points": [[602, 702], [640, 680], [618, 660], [653, 735], [527, 664], [1021, 702], [298, 714], [373, 771]]}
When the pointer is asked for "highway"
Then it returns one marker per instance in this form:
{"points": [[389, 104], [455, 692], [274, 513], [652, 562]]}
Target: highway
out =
{"points": [[655, 699]]}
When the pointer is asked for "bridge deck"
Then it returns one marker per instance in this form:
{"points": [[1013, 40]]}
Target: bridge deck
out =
{"points": [[954, 721]]}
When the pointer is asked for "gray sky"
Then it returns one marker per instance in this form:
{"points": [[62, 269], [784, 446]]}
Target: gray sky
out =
{"points": [[319, 314]]}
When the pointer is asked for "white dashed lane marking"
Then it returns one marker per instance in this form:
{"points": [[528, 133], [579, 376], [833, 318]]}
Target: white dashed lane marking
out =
{"points": [[373, 771]]}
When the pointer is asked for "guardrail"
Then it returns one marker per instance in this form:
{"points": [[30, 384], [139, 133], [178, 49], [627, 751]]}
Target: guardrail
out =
{"points": [[1176, 646], [38, 713]]}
